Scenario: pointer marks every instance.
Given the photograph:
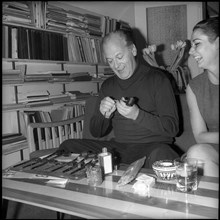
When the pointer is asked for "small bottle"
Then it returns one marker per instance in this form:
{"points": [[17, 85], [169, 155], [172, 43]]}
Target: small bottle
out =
{"points": [[105, 160]]}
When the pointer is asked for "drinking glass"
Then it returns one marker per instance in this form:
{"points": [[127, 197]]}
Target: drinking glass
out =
{"points": [[186, 174], [94, 175]]}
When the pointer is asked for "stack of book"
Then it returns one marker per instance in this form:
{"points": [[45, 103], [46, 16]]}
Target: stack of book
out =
{"points": [[78, 95], [35, 99], [59, 19], [60, 77], [108, 72], [80, 76], [55, 18], [94, 25], [111, 24], [18, 12], [37, 77], [124, 26], [44, 76], [59, 98], [13, 139], [76, 23], [12, 76]]}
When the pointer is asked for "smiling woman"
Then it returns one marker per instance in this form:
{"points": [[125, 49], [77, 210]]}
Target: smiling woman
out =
{"points": [[203, 94]]}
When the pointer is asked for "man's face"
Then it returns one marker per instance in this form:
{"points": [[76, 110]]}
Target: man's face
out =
{"points": [[120, 58]]}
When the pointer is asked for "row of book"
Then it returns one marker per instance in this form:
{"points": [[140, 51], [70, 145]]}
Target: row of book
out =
{"points": [[25, 43], [56, 115], [112, 24], [84, 49], [47, 15], [59, 114]]}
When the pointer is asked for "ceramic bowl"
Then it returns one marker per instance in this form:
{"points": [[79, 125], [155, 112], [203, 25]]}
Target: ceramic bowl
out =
{"points": [[164, 169]]}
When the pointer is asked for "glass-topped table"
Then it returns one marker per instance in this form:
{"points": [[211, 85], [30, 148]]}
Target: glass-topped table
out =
{"points": [[108, 200]]}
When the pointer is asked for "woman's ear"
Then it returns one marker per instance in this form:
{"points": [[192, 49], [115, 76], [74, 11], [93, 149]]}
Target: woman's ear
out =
{"points": [[134, 50]]}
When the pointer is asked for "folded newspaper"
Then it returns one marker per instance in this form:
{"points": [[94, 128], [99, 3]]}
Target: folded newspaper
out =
{"points": [[131, 172]]}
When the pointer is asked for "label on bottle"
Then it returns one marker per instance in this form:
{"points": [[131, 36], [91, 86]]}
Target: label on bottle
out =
{"points": [[105, 160]]}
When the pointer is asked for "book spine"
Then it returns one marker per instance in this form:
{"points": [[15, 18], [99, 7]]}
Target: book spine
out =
{"points": [[14, 40], [81, 49]]}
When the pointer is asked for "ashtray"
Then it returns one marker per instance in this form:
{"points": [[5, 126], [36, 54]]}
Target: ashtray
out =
{"points": [[164, 169]]}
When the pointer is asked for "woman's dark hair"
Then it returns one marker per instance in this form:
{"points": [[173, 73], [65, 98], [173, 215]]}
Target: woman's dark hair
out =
{"points": [[210, 27]]}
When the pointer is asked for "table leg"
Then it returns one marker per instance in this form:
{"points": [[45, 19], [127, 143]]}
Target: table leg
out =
{"points": [[60, 215], [4, 208]]}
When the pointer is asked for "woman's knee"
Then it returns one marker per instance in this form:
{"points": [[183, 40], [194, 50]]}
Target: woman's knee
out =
{"points": [[208, 159], [203, 152]]}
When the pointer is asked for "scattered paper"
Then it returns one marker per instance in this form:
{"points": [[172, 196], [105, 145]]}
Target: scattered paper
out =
{"points": [[67, 158], [23, 175], [52, 180], [57, 183], [143, 184], [145, 178]]}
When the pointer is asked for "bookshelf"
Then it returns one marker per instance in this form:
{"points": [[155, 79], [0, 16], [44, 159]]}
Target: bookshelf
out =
{"points": [[41, 37]]}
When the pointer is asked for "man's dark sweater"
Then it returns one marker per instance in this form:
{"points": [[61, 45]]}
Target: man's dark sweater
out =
{"points": [[158, 117]]}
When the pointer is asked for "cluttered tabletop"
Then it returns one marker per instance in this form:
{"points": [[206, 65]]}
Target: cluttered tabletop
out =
{"points": [[129, 191]]}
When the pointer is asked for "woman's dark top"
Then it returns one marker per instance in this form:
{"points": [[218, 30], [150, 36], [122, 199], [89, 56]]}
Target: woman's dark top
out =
{"points": [[207, 97]]}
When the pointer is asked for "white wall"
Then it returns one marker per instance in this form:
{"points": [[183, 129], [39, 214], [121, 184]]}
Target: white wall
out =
{"points": [[194, 15]]}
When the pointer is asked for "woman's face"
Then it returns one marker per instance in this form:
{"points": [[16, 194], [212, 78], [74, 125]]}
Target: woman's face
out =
{"points": [[120, 58], [204, 52]]}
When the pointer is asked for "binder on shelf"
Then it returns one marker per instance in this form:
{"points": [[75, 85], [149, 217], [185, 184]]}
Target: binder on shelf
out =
{"points": [[83, 58]]}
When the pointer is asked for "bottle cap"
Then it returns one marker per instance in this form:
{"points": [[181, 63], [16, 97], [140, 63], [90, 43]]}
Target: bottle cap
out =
{"points": [[104, 150]]}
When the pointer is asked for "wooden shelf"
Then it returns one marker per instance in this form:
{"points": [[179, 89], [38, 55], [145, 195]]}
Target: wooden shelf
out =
{"points": [[52, 61], [23, 107], [14, 148], [46, 82]]}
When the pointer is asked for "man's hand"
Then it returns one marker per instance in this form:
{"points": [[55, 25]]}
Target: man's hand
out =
{"points": [[107, 107], [127, 111]]}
